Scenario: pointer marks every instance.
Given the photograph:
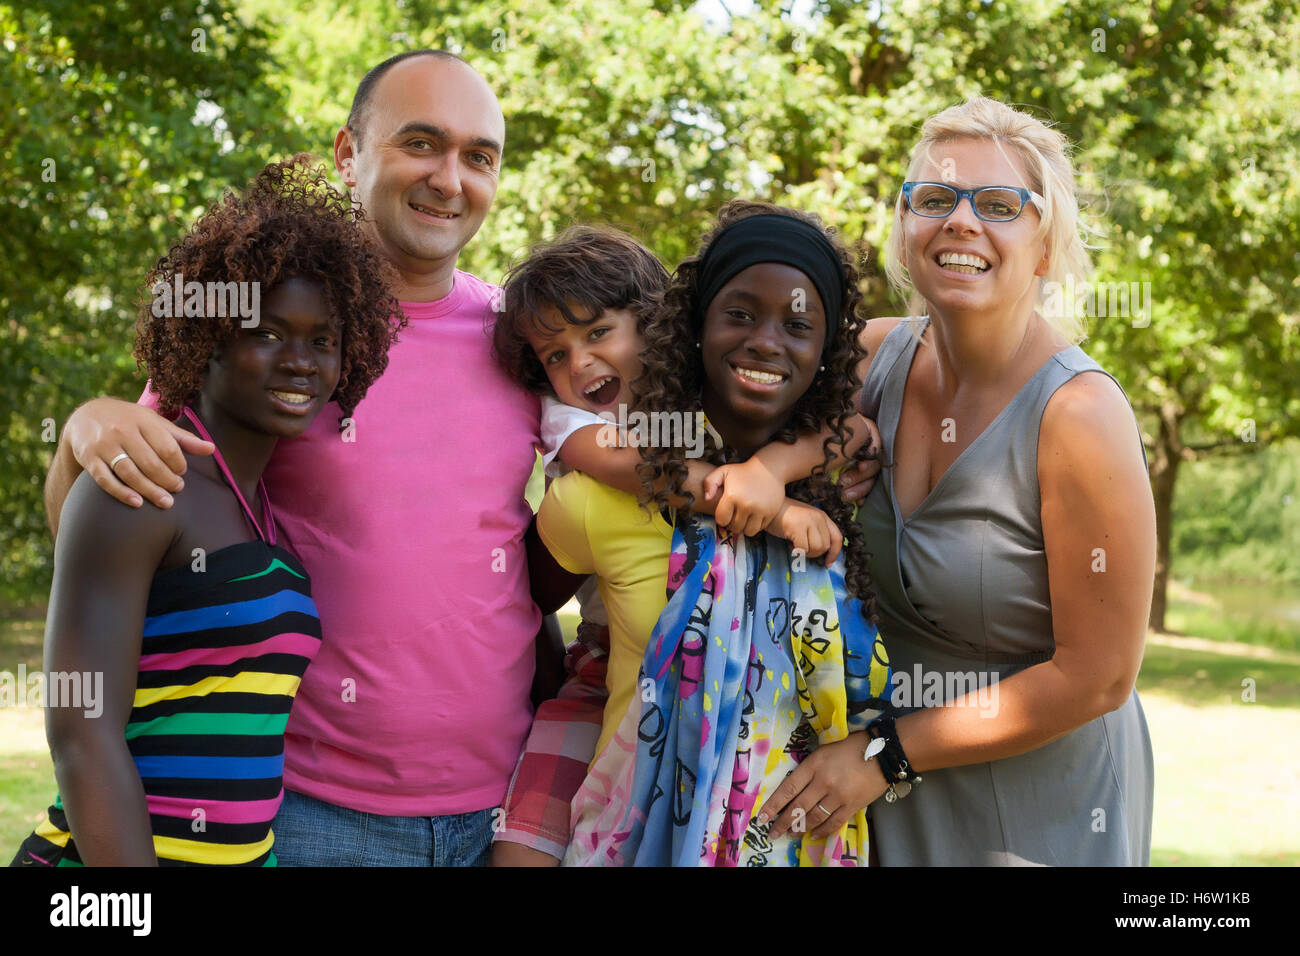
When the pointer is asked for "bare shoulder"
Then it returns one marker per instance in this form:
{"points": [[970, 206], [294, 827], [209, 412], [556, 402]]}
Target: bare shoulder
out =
{"points": [[95, 526], [1091, 401], [1088, 428], [872, 335], [874, 332]]}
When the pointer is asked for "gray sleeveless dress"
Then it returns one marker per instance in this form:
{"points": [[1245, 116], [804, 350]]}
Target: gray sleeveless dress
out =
{"points": [[963, 601]]}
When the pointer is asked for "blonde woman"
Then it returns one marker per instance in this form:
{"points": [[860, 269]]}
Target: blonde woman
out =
{"points": [[1012, 533]]}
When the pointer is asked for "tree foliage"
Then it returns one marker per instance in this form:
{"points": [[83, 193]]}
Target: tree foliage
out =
{"points": [[111, 142], [650, 114]]}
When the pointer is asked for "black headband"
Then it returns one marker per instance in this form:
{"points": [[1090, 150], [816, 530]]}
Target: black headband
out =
{"points": [[774, 238]]}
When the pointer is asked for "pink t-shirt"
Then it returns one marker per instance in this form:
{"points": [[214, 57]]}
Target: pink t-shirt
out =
{"points": [[411, 526]]}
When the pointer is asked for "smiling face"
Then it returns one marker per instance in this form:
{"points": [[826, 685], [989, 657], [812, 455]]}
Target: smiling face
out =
{"points": [[962, 264], [429, 157], [590, 366], [759, 350], [276, 377]]}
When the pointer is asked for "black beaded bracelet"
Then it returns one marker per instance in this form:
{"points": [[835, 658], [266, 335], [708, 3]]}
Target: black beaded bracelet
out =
{"points": [[893, 761]]}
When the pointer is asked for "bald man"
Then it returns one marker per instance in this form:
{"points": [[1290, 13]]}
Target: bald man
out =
{"points": [[411, 519]]}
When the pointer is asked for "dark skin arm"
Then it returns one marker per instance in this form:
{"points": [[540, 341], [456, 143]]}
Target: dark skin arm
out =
{"points": [[104, 564], [551, 586]]}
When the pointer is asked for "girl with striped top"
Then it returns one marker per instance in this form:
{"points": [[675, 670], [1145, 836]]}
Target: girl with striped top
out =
{"points": [[195, 623]]}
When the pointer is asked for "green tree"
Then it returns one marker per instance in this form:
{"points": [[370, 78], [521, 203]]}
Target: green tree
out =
{"points": [[123, 120], [649, 115], [1185, 118]]}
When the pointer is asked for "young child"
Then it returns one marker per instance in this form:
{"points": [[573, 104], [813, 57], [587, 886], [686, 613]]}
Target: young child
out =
{"points": [[572, 329], [201, 623]]}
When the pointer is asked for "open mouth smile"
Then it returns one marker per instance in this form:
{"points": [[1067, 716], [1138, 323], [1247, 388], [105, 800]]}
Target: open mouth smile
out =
{"points": [[603, 390], [963, 263], [758, 377]]}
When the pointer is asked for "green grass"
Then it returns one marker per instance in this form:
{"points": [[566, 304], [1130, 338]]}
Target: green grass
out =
{"points": [[1186, 617], [26, 789], [1205, 679]]}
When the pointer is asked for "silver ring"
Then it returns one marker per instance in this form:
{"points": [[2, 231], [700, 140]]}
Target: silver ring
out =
{"points": [[823, 810], [114, 462]]}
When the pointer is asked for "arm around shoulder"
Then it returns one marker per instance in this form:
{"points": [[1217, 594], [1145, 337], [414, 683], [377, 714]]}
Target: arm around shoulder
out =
{"points": [[130, 451]]}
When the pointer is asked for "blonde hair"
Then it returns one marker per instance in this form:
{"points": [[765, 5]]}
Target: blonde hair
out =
{"points": [[1043, 153]]}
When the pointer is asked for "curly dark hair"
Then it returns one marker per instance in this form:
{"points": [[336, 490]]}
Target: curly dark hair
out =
{"points": [[673, 379], [590, 268], [289, 223]]}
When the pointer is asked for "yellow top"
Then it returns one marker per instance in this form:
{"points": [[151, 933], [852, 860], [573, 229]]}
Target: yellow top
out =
{"points": [[591, 528]]}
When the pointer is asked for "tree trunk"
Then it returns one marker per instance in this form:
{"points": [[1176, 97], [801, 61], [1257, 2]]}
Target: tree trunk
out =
{"points": [[1165, 459]]}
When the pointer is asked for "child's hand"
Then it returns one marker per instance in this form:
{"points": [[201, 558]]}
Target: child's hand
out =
{"points": [[856, 482], [751, 496], [809, 529]]}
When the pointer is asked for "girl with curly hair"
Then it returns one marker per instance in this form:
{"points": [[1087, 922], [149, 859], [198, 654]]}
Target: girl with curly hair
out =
{"points": [[758, 656], [186, 631]]}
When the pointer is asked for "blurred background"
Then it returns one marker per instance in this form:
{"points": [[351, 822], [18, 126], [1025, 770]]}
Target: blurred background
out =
{"points": [[121, 121]]}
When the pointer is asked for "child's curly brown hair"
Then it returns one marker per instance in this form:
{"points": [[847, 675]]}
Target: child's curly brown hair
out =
{"points": [[673, 379], [589, 268], [289, 223]]}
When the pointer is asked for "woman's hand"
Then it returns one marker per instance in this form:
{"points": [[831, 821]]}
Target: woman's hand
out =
{"points": [[809, 529], [822, 793], [751, 496]]}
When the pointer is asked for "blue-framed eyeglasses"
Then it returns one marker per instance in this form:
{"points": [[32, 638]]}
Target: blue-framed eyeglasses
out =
{"points": [[990, 203]]}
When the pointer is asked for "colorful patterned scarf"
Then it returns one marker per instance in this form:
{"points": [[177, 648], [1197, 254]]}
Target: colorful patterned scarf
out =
{"points": [[758, 658]]}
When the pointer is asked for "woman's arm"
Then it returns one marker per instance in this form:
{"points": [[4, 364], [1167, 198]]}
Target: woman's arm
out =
{"points": [[105, 559], [1098, 522], [1099, 534]]}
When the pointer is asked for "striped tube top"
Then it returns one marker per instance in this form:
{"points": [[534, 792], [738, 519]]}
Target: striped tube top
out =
{"points": [[223, 653]]}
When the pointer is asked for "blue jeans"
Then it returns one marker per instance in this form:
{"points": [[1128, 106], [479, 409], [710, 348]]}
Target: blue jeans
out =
{"points": [[310, 832]]}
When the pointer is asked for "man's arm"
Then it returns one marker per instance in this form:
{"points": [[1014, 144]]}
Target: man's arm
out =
{"points": [[63, 474], [100, 431]]}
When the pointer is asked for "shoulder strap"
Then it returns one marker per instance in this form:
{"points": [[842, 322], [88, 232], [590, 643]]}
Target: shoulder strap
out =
{"points": [[269, 536], [895, 344]]}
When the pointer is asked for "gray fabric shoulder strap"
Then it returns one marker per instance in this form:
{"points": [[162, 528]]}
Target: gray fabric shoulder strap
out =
{"points": [[899, 343]]}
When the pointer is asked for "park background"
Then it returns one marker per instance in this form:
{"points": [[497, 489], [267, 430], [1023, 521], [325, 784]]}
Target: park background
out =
{"points": [[121, 121]]}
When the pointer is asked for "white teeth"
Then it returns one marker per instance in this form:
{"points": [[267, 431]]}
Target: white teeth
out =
{"points": [[599, 383], [962, 259], [763, 378], [291, 398]]}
